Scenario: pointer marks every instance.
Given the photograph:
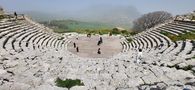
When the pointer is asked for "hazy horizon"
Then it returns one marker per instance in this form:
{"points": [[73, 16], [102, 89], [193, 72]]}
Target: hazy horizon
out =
{"points": [[108, 11]]}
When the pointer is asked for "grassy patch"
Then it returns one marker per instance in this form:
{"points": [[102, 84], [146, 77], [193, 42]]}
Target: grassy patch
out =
{"points": [[87, 31], [187, 35], [133, 33], [75, 25], [193, 57], [193, 17], [68, 83]]}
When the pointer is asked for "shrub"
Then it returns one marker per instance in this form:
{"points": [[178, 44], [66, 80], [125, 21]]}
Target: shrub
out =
{"points": [[133, 33], [124, 32], [68, 83], [193, 17], [115, 31]]}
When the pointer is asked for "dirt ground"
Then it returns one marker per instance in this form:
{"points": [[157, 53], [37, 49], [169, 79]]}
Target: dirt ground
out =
{"points": [[88, 46]]}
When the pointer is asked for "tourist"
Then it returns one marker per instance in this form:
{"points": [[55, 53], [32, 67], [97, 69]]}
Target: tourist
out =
{"points": [[99, 52], [74, 45], [161, 45], [16, 15], [89, 35], [139, 56], [101, 40], [110, 34], [77, 49]]}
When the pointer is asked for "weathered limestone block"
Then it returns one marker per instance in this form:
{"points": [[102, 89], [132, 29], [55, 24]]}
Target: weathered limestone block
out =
{"points": [[20, 86], [49, 87], [2, 71], [133, 82]]}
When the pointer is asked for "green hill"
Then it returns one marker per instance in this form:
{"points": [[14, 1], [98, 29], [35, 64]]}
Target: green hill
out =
{"points": [[61, 26]]}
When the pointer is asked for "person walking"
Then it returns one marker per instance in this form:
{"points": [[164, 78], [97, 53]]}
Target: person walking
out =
{"points": [[77, 49], [101, 40], [16, 15], [74, 44]]}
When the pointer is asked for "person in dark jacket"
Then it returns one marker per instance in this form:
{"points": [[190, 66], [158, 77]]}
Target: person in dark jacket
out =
{"points": [[99, 52], [101, 40], [74, 44], [77, 49], [16, 15]]}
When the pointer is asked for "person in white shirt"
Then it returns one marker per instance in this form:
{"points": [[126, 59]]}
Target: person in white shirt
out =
{"points": [[139, 56]]}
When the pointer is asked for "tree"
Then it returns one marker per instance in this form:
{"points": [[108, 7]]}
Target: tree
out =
{"points": [[150, 20]]}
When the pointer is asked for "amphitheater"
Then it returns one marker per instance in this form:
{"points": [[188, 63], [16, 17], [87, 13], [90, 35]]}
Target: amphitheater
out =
{"points": [[32, 57]]}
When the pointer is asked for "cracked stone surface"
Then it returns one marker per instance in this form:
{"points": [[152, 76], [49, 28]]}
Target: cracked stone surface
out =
{"points": [[119, 72], [37, 66]]}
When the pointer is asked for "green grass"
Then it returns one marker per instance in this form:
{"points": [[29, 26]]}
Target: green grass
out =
{"points": [[68, 83], [133, 33], [64, 26], [87, 31], [69, 25], [187, 35], [193, 57]]}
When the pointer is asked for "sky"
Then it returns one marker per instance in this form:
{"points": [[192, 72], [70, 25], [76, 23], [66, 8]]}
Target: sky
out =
{"points": [[56, 6], [99, 9]]}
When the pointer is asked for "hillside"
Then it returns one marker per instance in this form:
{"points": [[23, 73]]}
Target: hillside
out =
{"points": [[72, 25]]}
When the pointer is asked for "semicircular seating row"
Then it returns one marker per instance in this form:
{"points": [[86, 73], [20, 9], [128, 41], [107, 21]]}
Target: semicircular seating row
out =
{"points": [[153, 41], [23, 35]]}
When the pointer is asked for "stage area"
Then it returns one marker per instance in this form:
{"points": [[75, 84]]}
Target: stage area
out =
{"points": [[88, 46]]}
